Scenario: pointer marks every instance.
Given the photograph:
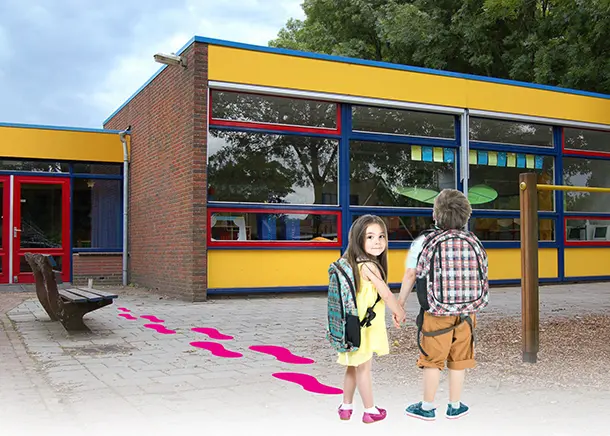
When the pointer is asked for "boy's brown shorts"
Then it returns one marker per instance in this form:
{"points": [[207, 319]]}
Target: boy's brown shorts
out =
{"points": [[455, 347]]}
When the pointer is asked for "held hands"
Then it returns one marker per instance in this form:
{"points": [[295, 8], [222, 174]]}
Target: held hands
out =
{"points": [[399, 318]]}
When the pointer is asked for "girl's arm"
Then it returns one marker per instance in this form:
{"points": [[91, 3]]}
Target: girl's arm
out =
{"points": [[371, 272]]}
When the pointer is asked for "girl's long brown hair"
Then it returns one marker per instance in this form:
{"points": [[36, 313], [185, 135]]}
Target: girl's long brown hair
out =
{"points": [[355, 247]]}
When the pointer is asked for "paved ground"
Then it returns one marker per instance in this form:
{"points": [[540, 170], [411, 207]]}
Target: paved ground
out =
{"points": [[125, 378]]}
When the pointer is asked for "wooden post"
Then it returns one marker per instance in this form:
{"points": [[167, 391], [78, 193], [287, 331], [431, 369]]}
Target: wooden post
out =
{"points": [[530, 315]]}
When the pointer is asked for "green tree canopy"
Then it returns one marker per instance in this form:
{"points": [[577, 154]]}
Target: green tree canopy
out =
{"points": [[554, 42]]}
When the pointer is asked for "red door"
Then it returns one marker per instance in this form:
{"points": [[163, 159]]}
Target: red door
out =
{"points": [[41, 223], [5, 224]]}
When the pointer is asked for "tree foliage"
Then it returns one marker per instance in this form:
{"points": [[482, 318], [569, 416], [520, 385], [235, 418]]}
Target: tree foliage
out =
{"points": [[553, 42]]}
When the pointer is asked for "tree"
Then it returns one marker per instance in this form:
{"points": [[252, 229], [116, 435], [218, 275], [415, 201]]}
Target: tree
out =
{"points": [[553, 42]]}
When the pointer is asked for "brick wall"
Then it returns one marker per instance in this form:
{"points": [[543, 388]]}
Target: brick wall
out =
{"points": [[103, 268], [167, 205]]}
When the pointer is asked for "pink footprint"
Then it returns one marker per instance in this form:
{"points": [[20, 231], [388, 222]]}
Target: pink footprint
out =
{"points": [[127, 316], [160, 329], [307, 382], [152, 318], [123, 309], [216, 349], [282, 354], [212, 333]]}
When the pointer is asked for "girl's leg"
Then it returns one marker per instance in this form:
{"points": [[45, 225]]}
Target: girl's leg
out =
{"points": [[349, 385], [364, 378]]}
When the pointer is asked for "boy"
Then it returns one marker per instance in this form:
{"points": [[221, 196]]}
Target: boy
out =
{"points": [[447, 329]]}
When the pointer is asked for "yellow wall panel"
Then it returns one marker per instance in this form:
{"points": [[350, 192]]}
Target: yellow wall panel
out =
{"points": [[40, 143], [267, 268], [505, 264], [587, 262], [293, 72]]}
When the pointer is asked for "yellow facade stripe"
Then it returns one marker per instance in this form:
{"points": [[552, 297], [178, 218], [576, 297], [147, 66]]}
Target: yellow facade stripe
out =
{"points": [[293, 268], [74, 145], [587, 262], [269, 268], [250, 67]]}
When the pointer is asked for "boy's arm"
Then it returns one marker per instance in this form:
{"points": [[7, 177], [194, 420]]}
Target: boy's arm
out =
{"points": [[408, 281]]}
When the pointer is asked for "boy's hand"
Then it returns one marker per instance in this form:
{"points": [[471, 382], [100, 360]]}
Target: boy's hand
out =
{"points": [[399, 319]]}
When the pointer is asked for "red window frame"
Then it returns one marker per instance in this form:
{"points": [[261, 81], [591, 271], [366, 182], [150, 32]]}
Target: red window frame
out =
{"points": [[308, 244], [570, 243], [216, 122], [570, 152]]}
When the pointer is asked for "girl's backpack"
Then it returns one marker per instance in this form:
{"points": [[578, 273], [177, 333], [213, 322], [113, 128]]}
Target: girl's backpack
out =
{"points": [[343, 330]]}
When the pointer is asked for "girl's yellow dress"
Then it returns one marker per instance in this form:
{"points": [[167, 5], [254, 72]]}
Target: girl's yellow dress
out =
{"points": [[374, 339]]}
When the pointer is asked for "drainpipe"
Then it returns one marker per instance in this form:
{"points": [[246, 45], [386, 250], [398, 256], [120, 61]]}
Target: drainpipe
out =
{"points": [[122, 136]]}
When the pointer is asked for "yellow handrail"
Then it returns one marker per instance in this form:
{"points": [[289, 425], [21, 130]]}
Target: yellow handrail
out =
{"points": [[523, 186]]}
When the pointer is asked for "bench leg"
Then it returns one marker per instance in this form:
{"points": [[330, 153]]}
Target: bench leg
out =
{"points": [[71, 316]]}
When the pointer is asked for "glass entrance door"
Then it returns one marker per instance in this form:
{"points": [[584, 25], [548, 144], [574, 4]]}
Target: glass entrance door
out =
{"points": [[41, 223]]}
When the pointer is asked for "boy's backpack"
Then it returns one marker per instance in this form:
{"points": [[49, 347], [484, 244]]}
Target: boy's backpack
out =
{"points": [[343, 331], [452, 273]]}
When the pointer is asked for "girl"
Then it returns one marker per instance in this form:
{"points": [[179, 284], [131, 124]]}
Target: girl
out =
{"points": [[367, 254]]}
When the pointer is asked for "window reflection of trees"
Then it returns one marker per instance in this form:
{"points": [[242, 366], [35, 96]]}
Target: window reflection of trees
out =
{"points": [[259, 167], [403, 122], [510, 132], [586, 172], [378, 170]]}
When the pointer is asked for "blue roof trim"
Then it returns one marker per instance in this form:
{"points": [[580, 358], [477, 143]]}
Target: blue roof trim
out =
{"points": [[388, 65], [73, 129]]}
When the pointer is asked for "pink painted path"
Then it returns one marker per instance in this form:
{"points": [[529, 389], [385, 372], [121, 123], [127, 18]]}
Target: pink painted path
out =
{"points": [[127, 316], [160, 329], [282, 354], [216, 349], [308, 383], [212, 333], [152, 318]]}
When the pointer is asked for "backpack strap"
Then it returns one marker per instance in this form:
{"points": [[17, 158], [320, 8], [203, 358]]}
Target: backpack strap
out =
{"points": [[370, 313], [420, 321]]}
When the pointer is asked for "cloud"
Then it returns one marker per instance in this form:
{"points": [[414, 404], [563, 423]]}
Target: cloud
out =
{"points": [[73, 62]]}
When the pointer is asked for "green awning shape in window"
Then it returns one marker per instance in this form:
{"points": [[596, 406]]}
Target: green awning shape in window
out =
{"points": [[478, 194]]}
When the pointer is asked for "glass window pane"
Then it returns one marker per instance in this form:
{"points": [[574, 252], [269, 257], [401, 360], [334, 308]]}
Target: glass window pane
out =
{"points": [[404, 227], [97, 213], [34, 166], [82, 168], [273, 226], [24, 266], [510, 132], [508, 229], [494, 181], [255, 108], [590, 140], [400, 175], [264, 168], [588, 230], [586, 172], [402, 122], [41, 215]]}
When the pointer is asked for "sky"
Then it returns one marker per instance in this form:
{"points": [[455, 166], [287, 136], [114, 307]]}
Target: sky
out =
{"points": [[74, 62]]}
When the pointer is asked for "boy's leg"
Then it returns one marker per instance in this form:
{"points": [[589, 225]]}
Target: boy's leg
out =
{"points": [[437, 350], [461, 357]]}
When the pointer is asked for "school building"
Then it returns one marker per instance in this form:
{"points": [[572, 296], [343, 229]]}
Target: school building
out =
{"points": [[248, 164]]}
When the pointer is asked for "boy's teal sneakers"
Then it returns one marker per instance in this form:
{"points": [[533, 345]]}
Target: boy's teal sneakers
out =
{"points": [[455, 413], [416, 411]]}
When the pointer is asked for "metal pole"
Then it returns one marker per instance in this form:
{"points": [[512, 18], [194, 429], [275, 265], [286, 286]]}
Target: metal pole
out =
{"points": [[530, 310], [122, 136]]}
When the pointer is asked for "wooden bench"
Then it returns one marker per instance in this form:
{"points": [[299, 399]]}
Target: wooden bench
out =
{"points": [[65, 305]]}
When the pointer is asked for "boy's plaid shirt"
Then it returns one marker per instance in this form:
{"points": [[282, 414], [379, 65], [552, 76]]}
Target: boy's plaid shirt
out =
{"points": [[459, 283]]}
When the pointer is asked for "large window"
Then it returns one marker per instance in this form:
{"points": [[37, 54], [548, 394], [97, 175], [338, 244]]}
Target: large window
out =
{"points": [[399, 175], [272, 110], [266, 168], [586, 140], [586, 172], [510, 132], [96, 213], [588, 229], [508, 229], [273, 226], [405, 227], [402, 122], [494, 179], [34, 166]]}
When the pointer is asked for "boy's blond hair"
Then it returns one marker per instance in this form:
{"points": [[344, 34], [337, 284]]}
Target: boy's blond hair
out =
{"points": [[451, 209]]}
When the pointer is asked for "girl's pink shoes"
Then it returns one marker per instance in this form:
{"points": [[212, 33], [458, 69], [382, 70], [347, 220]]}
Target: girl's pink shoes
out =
{"points": [[369, 418], [345, 414]]}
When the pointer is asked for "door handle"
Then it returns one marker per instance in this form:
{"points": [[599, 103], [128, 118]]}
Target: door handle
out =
{"points": [[15, 230]]}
